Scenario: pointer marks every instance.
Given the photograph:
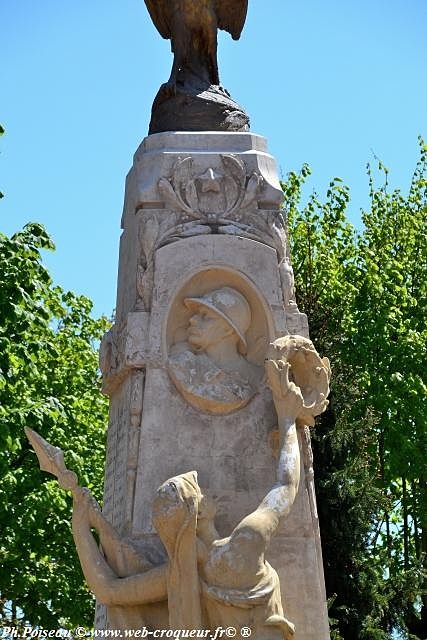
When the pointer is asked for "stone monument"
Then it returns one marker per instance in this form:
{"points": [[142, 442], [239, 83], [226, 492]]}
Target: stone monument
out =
{"points": [[209, 517]]}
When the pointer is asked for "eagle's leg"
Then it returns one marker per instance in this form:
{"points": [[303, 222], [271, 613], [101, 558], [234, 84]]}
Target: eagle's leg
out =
{"points": [[212, 54], [214, 68], [178, 46]]}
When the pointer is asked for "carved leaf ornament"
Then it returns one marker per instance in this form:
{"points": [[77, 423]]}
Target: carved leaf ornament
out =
{"points": [[217, 200], [211, 196]]}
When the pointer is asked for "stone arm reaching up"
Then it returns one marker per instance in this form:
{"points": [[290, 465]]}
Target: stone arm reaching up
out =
{"points": [[299, 382], [256, 529]]}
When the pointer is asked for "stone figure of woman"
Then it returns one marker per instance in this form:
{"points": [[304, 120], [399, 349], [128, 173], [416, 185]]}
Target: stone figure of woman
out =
{"points": [[206, 581]]}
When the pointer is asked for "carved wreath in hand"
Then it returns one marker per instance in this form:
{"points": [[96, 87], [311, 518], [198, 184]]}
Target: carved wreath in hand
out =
{"points": [[296, 362]]}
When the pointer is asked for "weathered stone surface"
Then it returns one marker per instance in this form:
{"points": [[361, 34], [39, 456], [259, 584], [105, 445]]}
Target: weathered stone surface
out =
{"points": [[203, 374], [202, 215], [157, 156], [123, 348]]}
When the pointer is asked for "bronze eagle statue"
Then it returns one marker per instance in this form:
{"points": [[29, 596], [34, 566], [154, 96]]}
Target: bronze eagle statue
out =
{"points": [[192, 27]]}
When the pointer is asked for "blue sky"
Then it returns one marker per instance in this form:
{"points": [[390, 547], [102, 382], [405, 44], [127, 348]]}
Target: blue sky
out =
{"points": [[329, 83]]}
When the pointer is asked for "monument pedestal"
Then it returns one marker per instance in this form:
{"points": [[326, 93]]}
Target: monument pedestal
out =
{"points": [[202, 227]]}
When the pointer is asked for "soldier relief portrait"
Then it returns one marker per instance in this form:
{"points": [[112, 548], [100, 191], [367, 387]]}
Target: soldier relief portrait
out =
{"points": [[208, 360]]}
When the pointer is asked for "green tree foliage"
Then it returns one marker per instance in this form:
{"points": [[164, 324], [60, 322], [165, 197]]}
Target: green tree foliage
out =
{"points": [[365, 296], [48, 381], [391, 333]]}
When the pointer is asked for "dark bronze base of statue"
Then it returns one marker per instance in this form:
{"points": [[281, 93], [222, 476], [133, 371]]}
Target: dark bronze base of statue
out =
{"points": [[196, 105]]}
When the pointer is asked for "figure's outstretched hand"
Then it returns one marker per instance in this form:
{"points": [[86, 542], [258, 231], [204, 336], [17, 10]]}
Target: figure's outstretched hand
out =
{"points": [[287, 396]]}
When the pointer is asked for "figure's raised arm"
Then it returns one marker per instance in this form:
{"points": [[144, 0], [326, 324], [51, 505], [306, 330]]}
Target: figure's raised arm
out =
{"points": [[289, 403], [299, 382], [257, 528]]}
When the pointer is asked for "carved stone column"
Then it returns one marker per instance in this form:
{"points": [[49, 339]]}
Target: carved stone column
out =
{"points": [[202, 225]]}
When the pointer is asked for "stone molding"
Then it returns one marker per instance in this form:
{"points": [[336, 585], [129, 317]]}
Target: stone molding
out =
{"points": [[124, 348]]}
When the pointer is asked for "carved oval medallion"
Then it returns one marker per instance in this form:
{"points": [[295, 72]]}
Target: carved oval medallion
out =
{"points": [[217, 339]]}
